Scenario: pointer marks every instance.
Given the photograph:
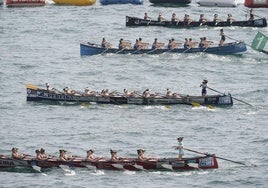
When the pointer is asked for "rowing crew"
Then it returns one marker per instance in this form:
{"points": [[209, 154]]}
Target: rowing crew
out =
{"points": [[186, 19], [172, 44], [106, 93], [90, 156]]}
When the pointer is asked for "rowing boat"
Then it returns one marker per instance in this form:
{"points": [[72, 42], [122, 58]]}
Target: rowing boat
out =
{"points": [[25, 3], [38, 94], [256, 3], [87, 48], [132, 164], [134, 21], [170, 1], [107, 2], [217, 3], [75, 2]]}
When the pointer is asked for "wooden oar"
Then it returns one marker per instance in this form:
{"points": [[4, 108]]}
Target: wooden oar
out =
{"points": [[232, 96], [215, 156]]}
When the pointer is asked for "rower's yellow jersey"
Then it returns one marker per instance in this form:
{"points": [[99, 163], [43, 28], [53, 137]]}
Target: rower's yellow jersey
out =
{"points": [[75, 2]]}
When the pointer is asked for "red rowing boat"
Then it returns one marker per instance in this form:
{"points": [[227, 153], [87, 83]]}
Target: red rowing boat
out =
{"points": [[25, 3], [256, 3]]}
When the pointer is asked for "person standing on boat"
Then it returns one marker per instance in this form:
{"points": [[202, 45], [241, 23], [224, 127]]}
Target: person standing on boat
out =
{"points": [[146, 17], [251, 15], [180, 148], [204, 88], [222, 37], [47, 86]]}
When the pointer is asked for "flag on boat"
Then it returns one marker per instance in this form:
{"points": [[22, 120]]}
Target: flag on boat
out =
{"points": [[259, 42]]}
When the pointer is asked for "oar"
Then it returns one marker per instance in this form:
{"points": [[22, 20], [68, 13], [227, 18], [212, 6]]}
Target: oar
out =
{"points": [[232, 96], [253, 14], [38, 169], [120, 51], [186, 50], [215, 156]]}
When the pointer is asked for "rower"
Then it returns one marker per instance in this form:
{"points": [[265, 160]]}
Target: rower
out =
{"points": [[142, 45], [43, 154], [186, 44], [16, 155], [38, 154], [105, 44], [141, 155], [146, 93], [161, 18], [204, 88], [63, 156], [191, 43], [173, 44], [202, 19], [230, 18], [174, 18], [180, 148], [146, 17], [168, 94], [187, 19], [105, 92], [216, 18], [91, 156], [114, 156], [157, 45], [124, 44]]}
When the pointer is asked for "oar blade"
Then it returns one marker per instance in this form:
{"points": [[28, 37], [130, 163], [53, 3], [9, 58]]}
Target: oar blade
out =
{"points": [[31, 86]]}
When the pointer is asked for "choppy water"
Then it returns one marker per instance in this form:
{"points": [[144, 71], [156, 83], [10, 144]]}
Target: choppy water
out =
{"points": [[41, 45]]}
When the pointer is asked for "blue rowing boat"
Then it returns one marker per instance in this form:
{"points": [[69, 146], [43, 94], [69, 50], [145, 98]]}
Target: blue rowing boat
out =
{"points": [[228, 48]]}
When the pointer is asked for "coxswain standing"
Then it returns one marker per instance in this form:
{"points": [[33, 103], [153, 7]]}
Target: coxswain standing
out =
{"points": [[222, 37], [251, 15], [204, 88], [180, 148]]}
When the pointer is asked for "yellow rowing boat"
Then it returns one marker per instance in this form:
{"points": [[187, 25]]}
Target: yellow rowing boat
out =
{"points": [[75, 2]]}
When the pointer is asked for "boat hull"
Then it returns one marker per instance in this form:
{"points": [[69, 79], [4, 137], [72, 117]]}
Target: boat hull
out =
{"points": [[171, 1], [230, 48], [25, 3], [107, 2], [45, 95], [75, 2], [134, 21], [133, 164], [256, 3], [217, 3]]}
